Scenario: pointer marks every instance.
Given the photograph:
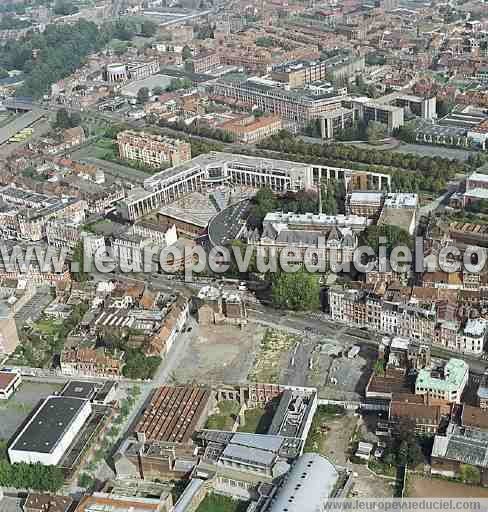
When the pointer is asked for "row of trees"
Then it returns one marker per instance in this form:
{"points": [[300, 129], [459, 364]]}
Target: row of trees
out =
{"points": [[199, 129], [64, 119], [298, 291], [31, 476], [435, 171]]}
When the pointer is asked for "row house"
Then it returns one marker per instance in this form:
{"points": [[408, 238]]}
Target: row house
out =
{"points": [[92, 362], [394, 314]]}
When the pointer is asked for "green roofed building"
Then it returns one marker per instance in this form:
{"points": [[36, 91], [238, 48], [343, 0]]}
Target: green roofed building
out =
{"points": [[446, 384]]}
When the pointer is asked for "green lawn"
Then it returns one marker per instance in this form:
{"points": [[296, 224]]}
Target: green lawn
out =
{"points": [[217, 503], [48, 327], [258, 421], [225, 418]]}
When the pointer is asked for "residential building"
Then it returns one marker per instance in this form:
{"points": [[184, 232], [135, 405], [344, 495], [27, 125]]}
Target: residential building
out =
{"points": [[9, 382], [249, 130], [92, 362], [74, 136], [472, 337], [446, 384], [215, 306], [118, 503], [152, 150], [426, 416], [204, 61], [36, 502]]}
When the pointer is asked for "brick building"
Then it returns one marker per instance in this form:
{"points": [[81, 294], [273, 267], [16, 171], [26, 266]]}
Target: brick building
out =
{"points": [[152, 150]]}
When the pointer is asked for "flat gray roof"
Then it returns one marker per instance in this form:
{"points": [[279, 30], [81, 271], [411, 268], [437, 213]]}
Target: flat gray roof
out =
{"points": [[48, 424]]}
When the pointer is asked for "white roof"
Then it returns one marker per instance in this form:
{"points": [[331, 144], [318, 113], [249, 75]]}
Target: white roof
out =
{"points": [[366, 197], [476, 326], [307, 486], [401, 200], [478, 176], [480, 193], [400, 343]]}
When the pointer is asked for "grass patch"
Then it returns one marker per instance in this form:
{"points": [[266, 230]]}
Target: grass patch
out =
{"points": [[267, 365], [257, 421], [217, 503], [48, 327], [225, 418], [381, 468], [318, 430]]}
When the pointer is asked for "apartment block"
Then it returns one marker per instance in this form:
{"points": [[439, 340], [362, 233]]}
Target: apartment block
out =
{"points": [[249, 130], [152, 150]]}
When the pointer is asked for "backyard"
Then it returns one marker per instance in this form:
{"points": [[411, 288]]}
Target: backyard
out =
{"points": [[217, 503]]}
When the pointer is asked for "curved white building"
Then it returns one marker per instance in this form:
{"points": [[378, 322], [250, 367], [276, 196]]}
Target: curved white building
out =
{"points": [[310, 483], [117, 72]]}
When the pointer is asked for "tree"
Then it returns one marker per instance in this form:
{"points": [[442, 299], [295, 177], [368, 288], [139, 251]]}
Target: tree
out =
{"points": [[394, 235], [63, 120], [3, 73], [148, 28], [79, 275], [143, 95], [469, 474], [407, 133], [64, 8], [138, 366], [443, 107], [120, 47], [85, 480], [299, 291], [376, 131], [379, 367], [158, 90], [186, 53]]}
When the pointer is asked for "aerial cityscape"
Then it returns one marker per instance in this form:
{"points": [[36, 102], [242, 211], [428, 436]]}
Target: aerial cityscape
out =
{"points": [[244, 255]]}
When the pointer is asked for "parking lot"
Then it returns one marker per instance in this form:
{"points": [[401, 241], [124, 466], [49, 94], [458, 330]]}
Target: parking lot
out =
{"points": [[15, 410]]}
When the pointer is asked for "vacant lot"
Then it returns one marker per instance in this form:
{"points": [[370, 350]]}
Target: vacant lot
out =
{"points": [[15, 410], [330, 433], [273, 356], [219, 354], [436, 488]]}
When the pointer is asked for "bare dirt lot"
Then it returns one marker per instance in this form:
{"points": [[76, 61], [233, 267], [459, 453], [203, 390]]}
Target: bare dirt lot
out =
{"points": [[436, 488], [220, 354]]}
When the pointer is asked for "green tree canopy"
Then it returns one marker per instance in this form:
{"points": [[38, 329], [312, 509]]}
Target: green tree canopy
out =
{"points": [[143, 95], [148, 28], [65, 8], [299, 291], [186, 53], [376, 131]]}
